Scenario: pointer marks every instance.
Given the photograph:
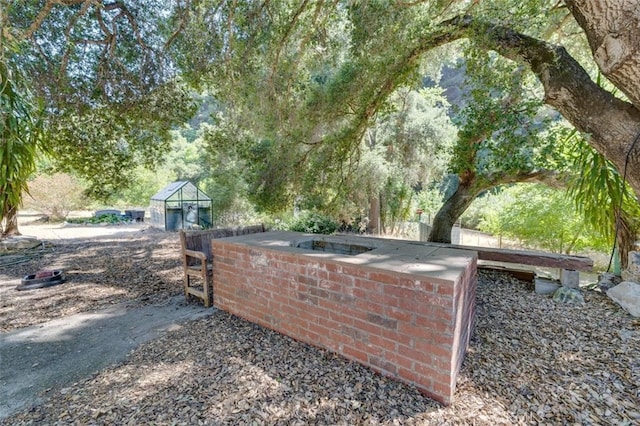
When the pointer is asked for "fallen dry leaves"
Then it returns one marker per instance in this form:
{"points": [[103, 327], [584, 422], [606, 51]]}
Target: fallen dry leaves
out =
{"points": [[531, 361]]}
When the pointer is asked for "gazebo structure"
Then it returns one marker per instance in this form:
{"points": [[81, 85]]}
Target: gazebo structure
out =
{"points": [[180, 205]]}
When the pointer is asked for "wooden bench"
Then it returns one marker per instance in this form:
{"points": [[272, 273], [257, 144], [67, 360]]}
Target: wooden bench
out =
{"points": [[197, 257], [564, 262]]}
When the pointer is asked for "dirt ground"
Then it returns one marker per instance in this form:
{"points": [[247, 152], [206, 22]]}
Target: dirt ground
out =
{"points": [[530, 361]]}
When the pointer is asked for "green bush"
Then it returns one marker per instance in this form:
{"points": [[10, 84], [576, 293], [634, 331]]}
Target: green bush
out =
{"points": [[105, 218], [540, 217], [312, 223]]}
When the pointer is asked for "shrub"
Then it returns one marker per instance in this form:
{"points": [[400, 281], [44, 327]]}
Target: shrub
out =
{"points": [[312, 223], [105, 218], [55, 195], [540, 217]]}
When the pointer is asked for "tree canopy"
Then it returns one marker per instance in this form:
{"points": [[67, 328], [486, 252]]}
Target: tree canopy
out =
{"points": [[310, 78], [301, 85], [111, 93]]}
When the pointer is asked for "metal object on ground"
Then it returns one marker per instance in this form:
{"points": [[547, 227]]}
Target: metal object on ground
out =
{"points": [[41, 279]]}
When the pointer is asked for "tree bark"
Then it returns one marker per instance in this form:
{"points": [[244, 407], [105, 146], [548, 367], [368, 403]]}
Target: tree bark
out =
{"points": [[612, 31], [470, 185], [452, 209], [611, 123], [10, 223]]}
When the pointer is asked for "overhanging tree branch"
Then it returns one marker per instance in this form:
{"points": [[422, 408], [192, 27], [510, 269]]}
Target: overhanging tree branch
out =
{"points": [[611, 122]]}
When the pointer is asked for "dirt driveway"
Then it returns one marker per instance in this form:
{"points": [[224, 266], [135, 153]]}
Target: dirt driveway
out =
{"points": [[30, 226], [122, 290]]}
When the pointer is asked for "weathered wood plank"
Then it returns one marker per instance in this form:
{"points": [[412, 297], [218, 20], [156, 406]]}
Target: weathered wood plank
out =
{"points": [[200, 240], [197, 257], [524, 257]]}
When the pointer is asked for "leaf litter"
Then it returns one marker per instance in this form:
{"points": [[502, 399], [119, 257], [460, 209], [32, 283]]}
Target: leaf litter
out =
{"points": [[530, 360]]}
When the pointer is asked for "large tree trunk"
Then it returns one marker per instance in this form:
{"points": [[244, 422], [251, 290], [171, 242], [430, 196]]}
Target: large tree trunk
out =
{"points": [[451, 211], [10, 223], [612, 28], [613, 124], [470, 185]]}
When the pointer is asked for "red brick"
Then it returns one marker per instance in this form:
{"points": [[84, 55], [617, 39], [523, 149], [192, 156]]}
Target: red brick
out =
{"points": [[410, 305], [353, 353], [366, 306], [307, 298], [444, 364], [315, 312], [321, 274], [382, 342], [433, 314], [289, 311], [334, 267], [431, 371], [343, 316], [412, 330], [441, 339], [444, 289], [344, 299], [262, 293], [382, 299], [416, 284], [368, 348], [293, 323], [331, 305], [443, 327], [384, 277], [367, 327], [413, 354], [383, 321], [318, 292], [432, 349], [360, 293], [311, 281], [431, 394], [445, 391], [338, 338], [360, 272], [343, 280], [283, 299], [368, 285], [330, 285], [394, 335], [433, 299], [417, 379], [330, 324], [316, 327], [383, 364], [399, 360], [354, 333], [399, 314], [226, 260]]}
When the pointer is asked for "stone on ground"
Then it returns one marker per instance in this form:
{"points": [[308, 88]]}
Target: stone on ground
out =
{"points": [[627, 295], [568, 295]]}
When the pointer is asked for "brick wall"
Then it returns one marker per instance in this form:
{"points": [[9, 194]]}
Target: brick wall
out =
{"points": [[412, 328]]}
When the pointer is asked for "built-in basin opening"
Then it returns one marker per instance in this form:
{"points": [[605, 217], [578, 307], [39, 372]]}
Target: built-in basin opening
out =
{"points": [[333, 247]]}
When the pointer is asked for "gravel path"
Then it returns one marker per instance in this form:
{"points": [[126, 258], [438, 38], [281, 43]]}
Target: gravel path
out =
{"points": [[531, 361]]}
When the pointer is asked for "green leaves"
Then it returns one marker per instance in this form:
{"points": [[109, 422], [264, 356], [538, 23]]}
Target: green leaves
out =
{"points": [[104, 146], [599, 192], [108, 86], [541, 218], [20, 138]]}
